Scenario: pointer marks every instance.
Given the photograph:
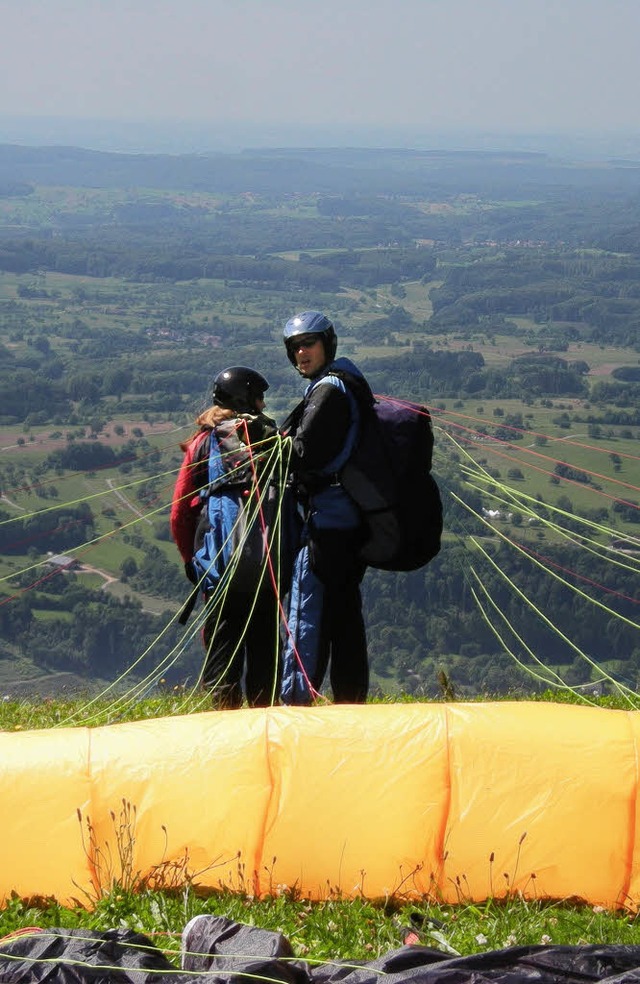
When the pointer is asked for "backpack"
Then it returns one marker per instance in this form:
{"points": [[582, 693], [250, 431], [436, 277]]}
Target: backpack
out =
{"points": [[236, 517], [389, 478]]}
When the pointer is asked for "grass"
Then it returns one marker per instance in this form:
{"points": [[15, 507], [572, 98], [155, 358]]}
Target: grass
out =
{"points": [[20, 714], [340, 929], [46, 615]]}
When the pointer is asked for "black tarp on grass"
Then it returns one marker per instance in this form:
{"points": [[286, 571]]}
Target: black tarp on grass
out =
{"points": [[217, 949]]}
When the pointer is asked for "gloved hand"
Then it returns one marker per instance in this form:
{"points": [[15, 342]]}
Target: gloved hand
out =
{"points": [[191, 573], [258, 428]]}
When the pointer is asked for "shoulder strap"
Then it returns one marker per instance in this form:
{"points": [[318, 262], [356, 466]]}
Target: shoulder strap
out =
{"points": [[362, 400], [229, 461], [357, 385]]}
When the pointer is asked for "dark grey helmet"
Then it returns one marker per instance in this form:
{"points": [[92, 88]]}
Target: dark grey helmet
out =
{"points": [[237, 388], [310, 323]]}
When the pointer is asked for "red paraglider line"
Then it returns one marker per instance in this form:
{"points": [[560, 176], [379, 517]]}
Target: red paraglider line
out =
{"points": [[569, 571], [274, 582]]}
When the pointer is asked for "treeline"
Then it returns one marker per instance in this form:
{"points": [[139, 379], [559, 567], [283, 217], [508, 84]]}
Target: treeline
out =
{"points": [[380, 266], [157, 261], [171, 258], [570, 294], [171, 380], [596, 297], [339, 172], [39, 387], [443, 373], [100, 639], [47, 531], [411, 616]]}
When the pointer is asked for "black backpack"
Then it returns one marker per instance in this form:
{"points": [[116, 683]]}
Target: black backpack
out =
{"points": [[389, 477]]}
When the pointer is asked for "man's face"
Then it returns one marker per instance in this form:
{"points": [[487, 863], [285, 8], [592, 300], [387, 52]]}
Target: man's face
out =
{"points": [[308, 351]]}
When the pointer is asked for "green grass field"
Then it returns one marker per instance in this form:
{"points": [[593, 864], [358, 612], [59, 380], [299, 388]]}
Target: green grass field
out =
{"points": [[354, 930]]}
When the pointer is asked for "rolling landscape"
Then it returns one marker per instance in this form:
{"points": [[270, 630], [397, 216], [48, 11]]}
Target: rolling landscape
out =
{"points": [[502, 290], [457, 186]]}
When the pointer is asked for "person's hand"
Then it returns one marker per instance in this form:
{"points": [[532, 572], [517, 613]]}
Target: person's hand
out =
{"points": [[191, 573], [258, 428]]}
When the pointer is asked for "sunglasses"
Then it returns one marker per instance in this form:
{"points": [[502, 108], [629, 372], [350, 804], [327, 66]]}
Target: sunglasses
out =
{"points": [[305, 343]]}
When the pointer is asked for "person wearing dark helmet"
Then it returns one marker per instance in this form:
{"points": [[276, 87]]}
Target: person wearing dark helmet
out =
{"points": [[325, 621], [221, 461]]}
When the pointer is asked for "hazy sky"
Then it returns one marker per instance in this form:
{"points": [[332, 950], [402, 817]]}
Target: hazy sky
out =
{"points": [[519, 65]]}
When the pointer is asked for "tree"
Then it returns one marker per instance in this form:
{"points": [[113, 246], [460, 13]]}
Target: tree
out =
{"points": [[128, 568]]}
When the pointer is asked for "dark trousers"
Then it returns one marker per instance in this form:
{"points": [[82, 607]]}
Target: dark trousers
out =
{"points": [[343, 644], [256, 656], [343, 640]]}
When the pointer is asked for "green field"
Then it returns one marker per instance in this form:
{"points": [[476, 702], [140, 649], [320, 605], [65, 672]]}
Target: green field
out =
{"points": [[125, 307], [164, 336]]}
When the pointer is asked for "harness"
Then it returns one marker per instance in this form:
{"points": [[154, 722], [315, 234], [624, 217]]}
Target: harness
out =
{"points": [[228, 531]]}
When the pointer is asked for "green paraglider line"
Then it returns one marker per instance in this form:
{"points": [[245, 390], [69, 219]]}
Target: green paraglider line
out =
{"points": [[86, 498], [525, 432], [84, 547], [625, 691], [484, 475], [258, 497], [516, 546], [496, 444], [116, 970], [547, 680], [517, 497], [592, 546], [480, 475], [215, 600], [477, 478]]}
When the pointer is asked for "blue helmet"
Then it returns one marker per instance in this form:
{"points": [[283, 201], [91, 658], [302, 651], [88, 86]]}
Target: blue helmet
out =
{"points": [[310, 323]]}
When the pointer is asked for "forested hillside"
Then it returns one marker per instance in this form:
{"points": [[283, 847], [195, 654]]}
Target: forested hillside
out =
{"points": [[503, 291]]}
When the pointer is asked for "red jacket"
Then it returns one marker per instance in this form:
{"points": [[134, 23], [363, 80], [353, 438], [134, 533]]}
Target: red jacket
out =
{"points": [[187, 504], [193, 476]]}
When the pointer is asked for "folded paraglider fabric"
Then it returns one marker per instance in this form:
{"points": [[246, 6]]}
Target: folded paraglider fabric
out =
{"points": [[229, 952], [458, 802]]}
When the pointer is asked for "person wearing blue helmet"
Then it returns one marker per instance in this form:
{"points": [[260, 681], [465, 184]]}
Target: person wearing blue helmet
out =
{"points": [[325, 625]]}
